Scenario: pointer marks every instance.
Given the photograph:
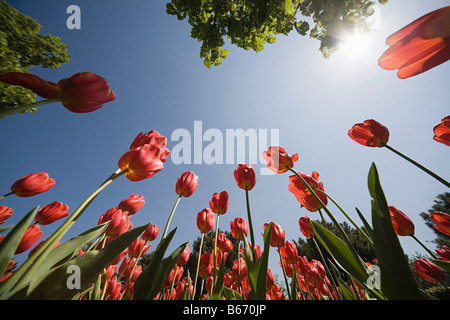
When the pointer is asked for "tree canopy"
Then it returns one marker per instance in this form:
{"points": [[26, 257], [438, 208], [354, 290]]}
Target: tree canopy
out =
{"points": [[250, 24]]}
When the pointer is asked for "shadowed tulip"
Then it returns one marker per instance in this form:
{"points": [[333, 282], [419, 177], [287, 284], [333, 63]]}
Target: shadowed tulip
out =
{"points": [[429, 271], [305, 227], [30, 237], [402, 224]]}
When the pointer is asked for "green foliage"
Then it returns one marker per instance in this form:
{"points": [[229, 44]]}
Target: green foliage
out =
{"points": [[21, 48], [251, 24]]}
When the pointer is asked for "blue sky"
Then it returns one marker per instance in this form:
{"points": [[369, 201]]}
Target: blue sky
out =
{"points": [[154, 67]]}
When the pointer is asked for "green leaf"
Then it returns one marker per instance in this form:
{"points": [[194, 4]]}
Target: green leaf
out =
{"points": [[10, 243], [218, 288], [367, 227], [397, 281], [346, 291], [145, 286], [231, 294], [55, 285]]}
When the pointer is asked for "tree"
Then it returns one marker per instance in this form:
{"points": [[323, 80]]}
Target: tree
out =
{"points": [[250, 24], [21, 48], [441, 204]]}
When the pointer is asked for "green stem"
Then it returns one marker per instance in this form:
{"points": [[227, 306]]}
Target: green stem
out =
{"points": [[29, 266], [328, 270], [198, 265], [252, 235], [423, 246], [25, 107], [170, 217], [214, 252], [431, 173], [132, 270], [8, 194], [284, 274]]}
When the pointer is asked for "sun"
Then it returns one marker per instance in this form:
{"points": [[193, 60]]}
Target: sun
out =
{"points": [[355, 45]]}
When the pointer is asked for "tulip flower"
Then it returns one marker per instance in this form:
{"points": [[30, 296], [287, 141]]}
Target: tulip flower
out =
{"points": [[370, 133], [305, 227], [278, 159], [443, 253], [51, 212], [205, 220], [119, 222], [278, 235], [152, 137], [32, 184], [5, 213], [141, 163], [150, 233], [138, 248], [132, 204], [442, 131], [421, 45], [81, 93], [184, 257], [403, 226], [239, 227], [302, 193], [289, 252], [223, 243], [205, 268], [30, 237], [429, 271], [219, 203], [186, 184], [442, 222], [245, 176]]}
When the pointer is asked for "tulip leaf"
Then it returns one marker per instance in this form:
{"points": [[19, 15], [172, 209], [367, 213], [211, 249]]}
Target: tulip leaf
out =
{"points": [[396, 279], [57, 284], [345, 290], [367, 227], [10, 243], [218, 287], [231, 294]]}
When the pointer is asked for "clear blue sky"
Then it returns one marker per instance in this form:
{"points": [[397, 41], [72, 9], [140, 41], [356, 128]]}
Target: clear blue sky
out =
{"points": [[153, 65]]}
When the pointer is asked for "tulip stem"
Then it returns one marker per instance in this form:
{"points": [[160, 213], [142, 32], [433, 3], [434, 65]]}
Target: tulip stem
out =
{"points": [[26, 107], [284, 274], [214, 252], [198, 266], [5, 195], [423, 246], [170, 217], [251, 225], [446, 183]]}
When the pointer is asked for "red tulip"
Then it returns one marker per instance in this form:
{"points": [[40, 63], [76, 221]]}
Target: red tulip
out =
{"points": [[421, 45], [205, 220], [442, 222], [30, 237], [138, 248], [239, 227], [150, 233], [132, 204], [152, 137], [219, 203], [278, 235], [239, 270], [223, 243], [205, 267], [186, 184], [83, 92], [403, 226], [32, 184], [5, 213], [443, 253], [429, 271], [119, 222], [305, 227], [370, 133], [141, 163], [184, 257], [278, 160], [289, 252], [245, 176], [51, 213], [301, 192], [442, 131]]}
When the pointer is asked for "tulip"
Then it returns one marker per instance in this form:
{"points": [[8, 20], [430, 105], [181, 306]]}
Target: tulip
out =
{"points": [[223, 243], [30, 237], [141, 163], [152, 137], [305, 227], [302, 193], [138, 248], [421, 45], [429, 271], [205, 267], [150, 233], [443, 253], [184, 257], [5, 213], [205, 220], [51, 213], [245, 176], [32, 184], [370, 133], [442, 131], [403, 226], [186, 184], [289, 252], [219, 203], [132, 204], [278, 235], [239, 270], [119, 222], [442, 222], [239, 227], [278, 159]]}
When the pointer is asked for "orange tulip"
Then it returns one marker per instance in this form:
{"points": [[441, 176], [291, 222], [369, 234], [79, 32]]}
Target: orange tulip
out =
{"points": [[370, 133], [429, 271], [141, 163], [289, 252], [442, 222], [30, 237], [186, 184], [245, 176], [278, 160], [51, 212], [205, 220], [132, 204], [5, 213], [442, 131], [219, 203], [301, 192], [421, 45], [403, 226], [32, 184]]}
